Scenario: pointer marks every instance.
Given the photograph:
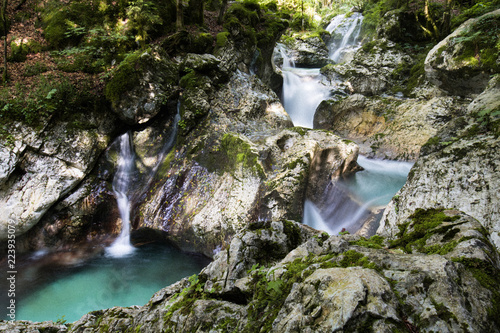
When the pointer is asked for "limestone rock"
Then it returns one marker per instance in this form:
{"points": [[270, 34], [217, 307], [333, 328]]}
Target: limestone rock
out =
{"points": [[371, 70], [393, 128], [458, 169], [331, 283], [456, 65], [46, 172], [305, 51]]}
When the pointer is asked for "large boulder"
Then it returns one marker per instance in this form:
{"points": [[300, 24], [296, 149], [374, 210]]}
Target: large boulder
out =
{"points": [[374, 68], [438, 274], [458, 169], [462, 63], [390, 127], [141, 86], [305, 51]]}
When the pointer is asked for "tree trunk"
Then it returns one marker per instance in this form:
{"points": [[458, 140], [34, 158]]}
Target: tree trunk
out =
{"points": [[4, 37], [179, 22], [428, 17], [222, 11], [446, 25]]}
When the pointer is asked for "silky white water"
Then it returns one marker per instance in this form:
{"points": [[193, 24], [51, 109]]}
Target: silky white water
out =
{"points": [[121, 186], [349, 28], [349, 202]]}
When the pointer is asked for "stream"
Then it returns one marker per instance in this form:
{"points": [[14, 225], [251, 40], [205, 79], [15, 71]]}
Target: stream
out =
{"points": [[346, 205], [55, 288]]}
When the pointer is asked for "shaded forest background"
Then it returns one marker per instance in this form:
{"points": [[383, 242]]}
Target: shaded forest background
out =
{"points": [[61, 55]]}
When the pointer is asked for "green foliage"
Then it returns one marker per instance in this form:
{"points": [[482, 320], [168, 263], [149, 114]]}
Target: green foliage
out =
{"points": [[480, 44], [184, 300], [373, 12], [35, 69], [488, 120], [477, 9], [143, 16], [50, 96]]}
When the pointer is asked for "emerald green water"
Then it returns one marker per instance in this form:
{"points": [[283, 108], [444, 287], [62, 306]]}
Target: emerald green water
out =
{"points": [[52, 293]]}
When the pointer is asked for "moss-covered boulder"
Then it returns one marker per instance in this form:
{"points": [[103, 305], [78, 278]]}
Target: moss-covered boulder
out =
{"points": [[458, 168], [141, 85], [462, 63]]}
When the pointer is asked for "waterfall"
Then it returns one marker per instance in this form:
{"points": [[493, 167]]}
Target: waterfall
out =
{"points": [[121, 184], [346, 204], [349, 28], [302, 91], [313, 218]]}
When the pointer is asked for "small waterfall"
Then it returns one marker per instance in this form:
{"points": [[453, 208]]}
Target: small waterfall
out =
{"points": [[349, 28], [121, 184], [169, 143], [313, 218], [302, 91]]}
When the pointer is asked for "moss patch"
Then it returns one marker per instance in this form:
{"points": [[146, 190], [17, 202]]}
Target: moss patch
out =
{"points": [[240, 153], [124, 78], [414, 234]]}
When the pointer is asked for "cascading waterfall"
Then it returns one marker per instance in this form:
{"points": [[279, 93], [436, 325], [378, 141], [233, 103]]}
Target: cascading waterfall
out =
{"points": [[349, 28], [302, 91], [121, 186], [347, 204]]}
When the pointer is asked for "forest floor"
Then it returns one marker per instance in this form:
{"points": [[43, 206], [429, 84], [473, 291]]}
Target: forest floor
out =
{"points": [[26, 26]]}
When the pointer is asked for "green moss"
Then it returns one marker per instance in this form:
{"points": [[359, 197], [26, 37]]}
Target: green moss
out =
{"points": [[240, 153], [190, 80], [423, 225], [221, 38], [293, 233], [246, 12], [124, 78], [301, 130], [374, 242], [489, 277]]}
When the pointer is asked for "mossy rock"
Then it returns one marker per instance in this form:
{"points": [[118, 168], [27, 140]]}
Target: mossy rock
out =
{"points": [[239, 152], [124, 78], [185, 42]]}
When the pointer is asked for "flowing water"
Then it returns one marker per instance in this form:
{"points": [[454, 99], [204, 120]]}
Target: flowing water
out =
{"points": [[68, 285], [347, 27], [347, 204], [121, 186]]}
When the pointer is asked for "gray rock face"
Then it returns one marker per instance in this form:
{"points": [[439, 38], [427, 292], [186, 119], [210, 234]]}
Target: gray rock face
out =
{"points": [[371, 70], [239, 166], [309, 52], [43, 166], [456, 66], [458, 169], [310, 282]]}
